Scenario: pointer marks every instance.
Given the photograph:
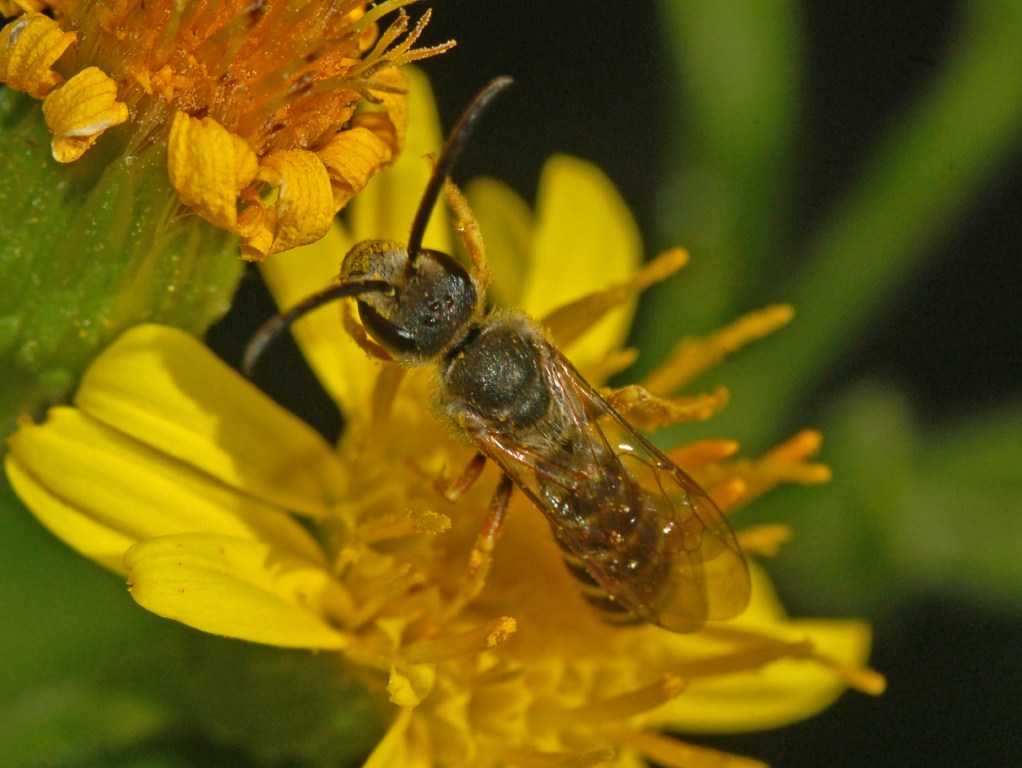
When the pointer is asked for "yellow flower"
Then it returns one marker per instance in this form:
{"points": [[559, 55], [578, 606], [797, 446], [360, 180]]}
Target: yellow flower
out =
{"points": [[230, 515], [258, 104]]}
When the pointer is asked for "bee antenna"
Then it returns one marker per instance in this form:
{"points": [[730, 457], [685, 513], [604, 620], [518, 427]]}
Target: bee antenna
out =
{"points": [[272, 329], [449, 156]]}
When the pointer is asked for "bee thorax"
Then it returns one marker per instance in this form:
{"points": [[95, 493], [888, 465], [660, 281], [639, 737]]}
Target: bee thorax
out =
{"points": [[498, 374]]}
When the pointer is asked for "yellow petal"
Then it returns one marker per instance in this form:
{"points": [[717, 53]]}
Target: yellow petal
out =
{"points": [[585, 230], [344, 370], [101, 491], [209, 167], [167, 390], [403, 745], [303, 209], [570, 321], [506, 225], [669, 752], [782, 691], [238, 588], [29, 47], [80, 110], [94, 539], [351, 158]]}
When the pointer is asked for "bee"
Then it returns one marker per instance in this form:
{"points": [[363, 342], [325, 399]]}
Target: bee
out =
{"points": [[645, 542]]}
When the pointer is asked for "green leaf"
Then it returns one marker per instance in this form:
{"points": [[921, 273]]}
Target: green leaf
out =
{"points": [[736, 79], [925, 172], [78, 654], [71, 723], [89, 249], [909, 511]]}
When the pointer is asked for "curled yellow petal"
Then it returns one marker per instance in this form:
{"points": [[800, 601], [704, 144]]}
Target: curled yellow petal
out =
{"points": [[11, 8], [391, 120], [351, 158], [302, 211], [238, 588], [209, 167], [29, 47], [409, 684], [79, 111], [386, 207]]}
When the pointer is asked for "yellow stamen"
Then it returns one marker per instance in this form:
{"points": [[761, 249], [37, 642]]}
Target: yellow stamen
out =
{"points": [[403, 524], [693, 356], [648, 411], [469, 643], [628, 704], [787, 463], [861, 679], [568, 322], [702, 453], [528, 758], [764, 540], [754, 651], [80, 110], [728, 494], [673, 753]]}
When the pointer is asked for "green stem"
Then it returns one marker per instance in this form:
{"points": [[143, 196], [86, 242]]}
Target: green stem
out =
{"points": [[89, 249]]}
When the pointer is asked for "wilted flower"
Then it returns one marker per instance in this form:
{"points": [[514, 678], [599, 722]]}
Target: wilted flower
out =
{"points": [[256, 102], [264, 118]]}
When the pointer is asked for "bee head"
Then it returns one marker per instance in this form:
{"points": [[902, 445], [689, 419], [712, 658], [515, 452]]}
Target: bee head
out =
{"points": [[416, 303], [426, 306]]}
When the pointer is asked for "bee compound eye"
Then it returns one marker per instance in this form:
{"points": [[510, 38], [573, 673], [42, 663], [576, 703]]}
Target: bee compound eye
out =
{"points": [[429, 310]]}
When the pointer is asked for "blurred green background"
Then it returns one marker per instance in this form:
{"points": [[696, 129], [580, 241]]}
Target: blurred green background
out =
{"points": [[858, 159]]}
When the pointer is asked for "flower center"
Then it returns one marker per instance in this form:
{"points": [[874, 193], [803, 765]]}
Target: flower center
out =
{"points": [[277, 73]]}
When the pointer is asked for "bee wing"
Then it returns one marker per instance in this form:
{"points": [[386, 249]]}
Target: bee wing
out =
{"points": [[645, 532]]}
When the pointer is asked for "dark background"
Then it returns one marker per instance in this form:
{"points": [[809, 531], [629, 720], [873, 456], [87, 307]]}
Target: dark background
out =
{"points": [[590, 82]]}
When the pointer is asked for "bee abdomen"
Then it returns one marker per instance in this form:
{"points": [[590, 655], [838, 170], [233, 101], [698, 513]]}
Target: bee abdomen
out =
{"points": [[610, 610]]}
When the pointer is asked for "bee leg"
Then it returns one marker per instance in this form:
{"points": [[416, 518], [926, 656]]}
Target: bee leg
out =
{"points": [[359, 336], [455, 489], [482, 553], [466, 224]]}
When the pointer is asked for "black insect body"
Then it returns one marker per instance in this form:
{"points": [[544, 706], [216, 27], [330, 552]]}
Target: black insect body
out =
{"points": [[644, 540]]}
